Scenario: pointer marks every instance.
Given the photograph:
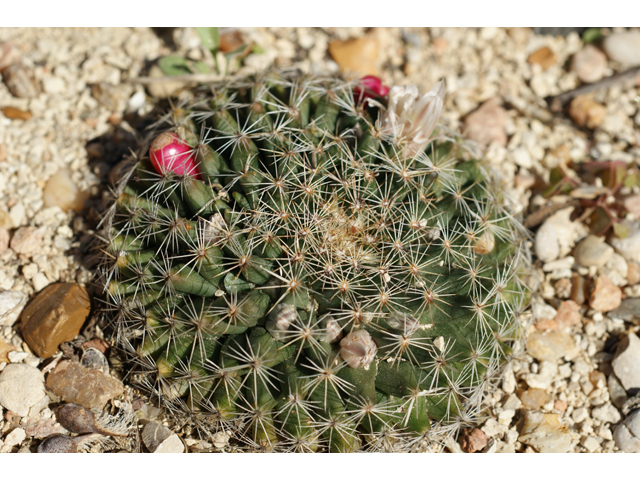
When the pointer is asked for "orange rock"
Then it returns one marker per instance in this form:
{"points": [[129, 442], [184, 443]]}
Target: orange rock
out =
{"points": [[606, 295], [543, 57], [5, 348], [560, 405], [16, 113], [586, 112], [61, 191], [55, 316], [487, 124], [357, 55], [568, 314], [633, 273]]}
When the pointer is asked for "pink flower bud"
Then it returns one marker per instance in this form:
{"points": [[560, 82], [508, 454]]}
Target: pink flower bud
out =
{"points": [[168, 153], [370, 87], [358, 349]]}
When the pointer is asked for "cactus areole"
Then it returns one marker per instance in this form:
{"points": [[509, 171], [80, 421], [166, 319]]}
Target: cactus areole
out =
{"points": [[311, 272]]}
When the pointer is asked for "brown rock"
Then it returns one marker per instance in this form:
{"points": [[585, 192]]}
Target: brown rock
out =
{"points": [[633, 273], [606, 295], [55, 316], [42, 428], [578, 289], [20, 81], [543, 57], [586, 112], [473, 440], [533, 398], [230, 41], [358, 55], [74, 383], [15, 113], [487, 124], [8, 55], [27, 240], [98, 344]]}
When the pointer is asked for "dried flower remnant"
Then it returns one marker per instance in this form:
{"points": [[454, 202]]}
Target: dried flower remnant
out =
{"points": [[358, 349], [410, 120]]}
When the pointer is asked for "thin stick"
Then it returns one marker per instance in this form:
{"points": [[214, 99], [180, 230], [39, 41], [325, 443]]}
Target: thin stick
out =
{"points": [[192, 78], [557, 102]]}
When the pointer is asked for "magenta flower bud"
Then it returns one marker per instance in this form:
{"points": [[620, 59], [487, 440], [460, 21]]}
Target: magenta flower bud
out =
{"points": [[168, 153], [358, 349], [370, 87]]}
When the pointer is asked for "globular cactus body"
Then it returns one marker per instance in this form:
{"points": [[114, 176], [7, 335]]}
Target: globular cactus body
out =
{"points": [[312, 266]]}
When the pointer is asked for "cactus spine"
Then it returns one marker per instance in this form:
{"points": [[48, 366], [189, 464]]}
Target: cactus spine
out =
{"points": [[312, 268]]}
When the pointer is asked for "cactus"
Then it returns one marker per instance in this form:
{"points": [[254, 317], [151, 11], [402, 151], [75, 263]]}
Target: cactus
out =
{"points": [[303, 262]]}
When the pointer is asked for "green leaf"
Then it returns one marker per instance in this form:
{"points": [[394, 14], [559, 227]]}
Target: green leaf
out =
{"points": [[621, 230], [257, 49], [237, 51], [209, 37], [201, 67], [174, 65], [591, 35]]}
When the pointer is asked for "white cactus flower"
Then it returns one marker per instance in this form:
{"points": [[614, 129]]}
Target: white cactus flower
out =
{"points": [[410, 119]]}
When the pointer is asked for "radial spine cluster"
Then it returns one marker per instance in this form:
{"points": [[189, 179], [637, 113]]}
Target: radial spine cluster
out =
{"points": [[301, 262]]}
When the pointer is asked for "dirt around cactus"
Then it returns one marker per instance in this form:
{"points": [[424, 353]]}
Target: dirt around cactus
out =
{"points": [[85, 114]]}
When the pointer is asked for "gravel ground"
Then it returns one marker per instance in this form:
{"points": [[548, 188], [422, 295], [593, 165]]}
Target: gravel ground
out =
{"points": [[71, 111]]}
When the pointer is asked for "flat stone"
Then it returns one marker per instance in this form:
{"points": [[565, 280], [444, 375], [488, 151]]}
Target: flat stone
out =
{"points": [[606, 295], [11, 305], [632, 204], [20, 81], [550, 345], [55, 316], [21, 387], [623, 47], [74, 383], [357, 55], [627, 434], [592, 252], [589, 64], [586, 112], [545, 433], [15, 437], [27, 241], [617, 393], [159, 439], [487, 124], [629, 310], [626, 363]]}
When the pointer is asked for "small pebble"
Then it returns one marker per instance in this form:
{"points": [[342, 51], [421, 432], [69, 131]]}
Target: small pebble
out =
{"points": [[162, 89], [586, 112], [545, 433], [543, 57], [589, 64], [591, 444], [533, 398], [5, 350], [16, 437], [551, 345], [592, 252], [61, 191], [8, 55], [13, 113], [76, 384], [633, 273], [473, 440], [55, 316], [487, 124], [606, 295], [623, 47], [627, 434], [4, 239], [41, 428], [113, 97], [27, 241], [21, 387], [20, 81], [629, 310], [606, 413], [632, 204], [95, 359], [626, 363], [11, 305], [357, 55], [159, 439], [560, 405], [617, 393]]}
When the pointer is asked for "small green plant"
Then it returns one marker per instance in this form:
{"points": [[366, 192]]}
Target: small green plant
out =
{"points": [[299, 261]]}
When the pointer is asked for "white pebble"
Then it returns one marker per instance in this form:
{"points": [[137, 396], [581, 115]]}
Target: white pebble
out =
{"points": [[16, 437]]}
